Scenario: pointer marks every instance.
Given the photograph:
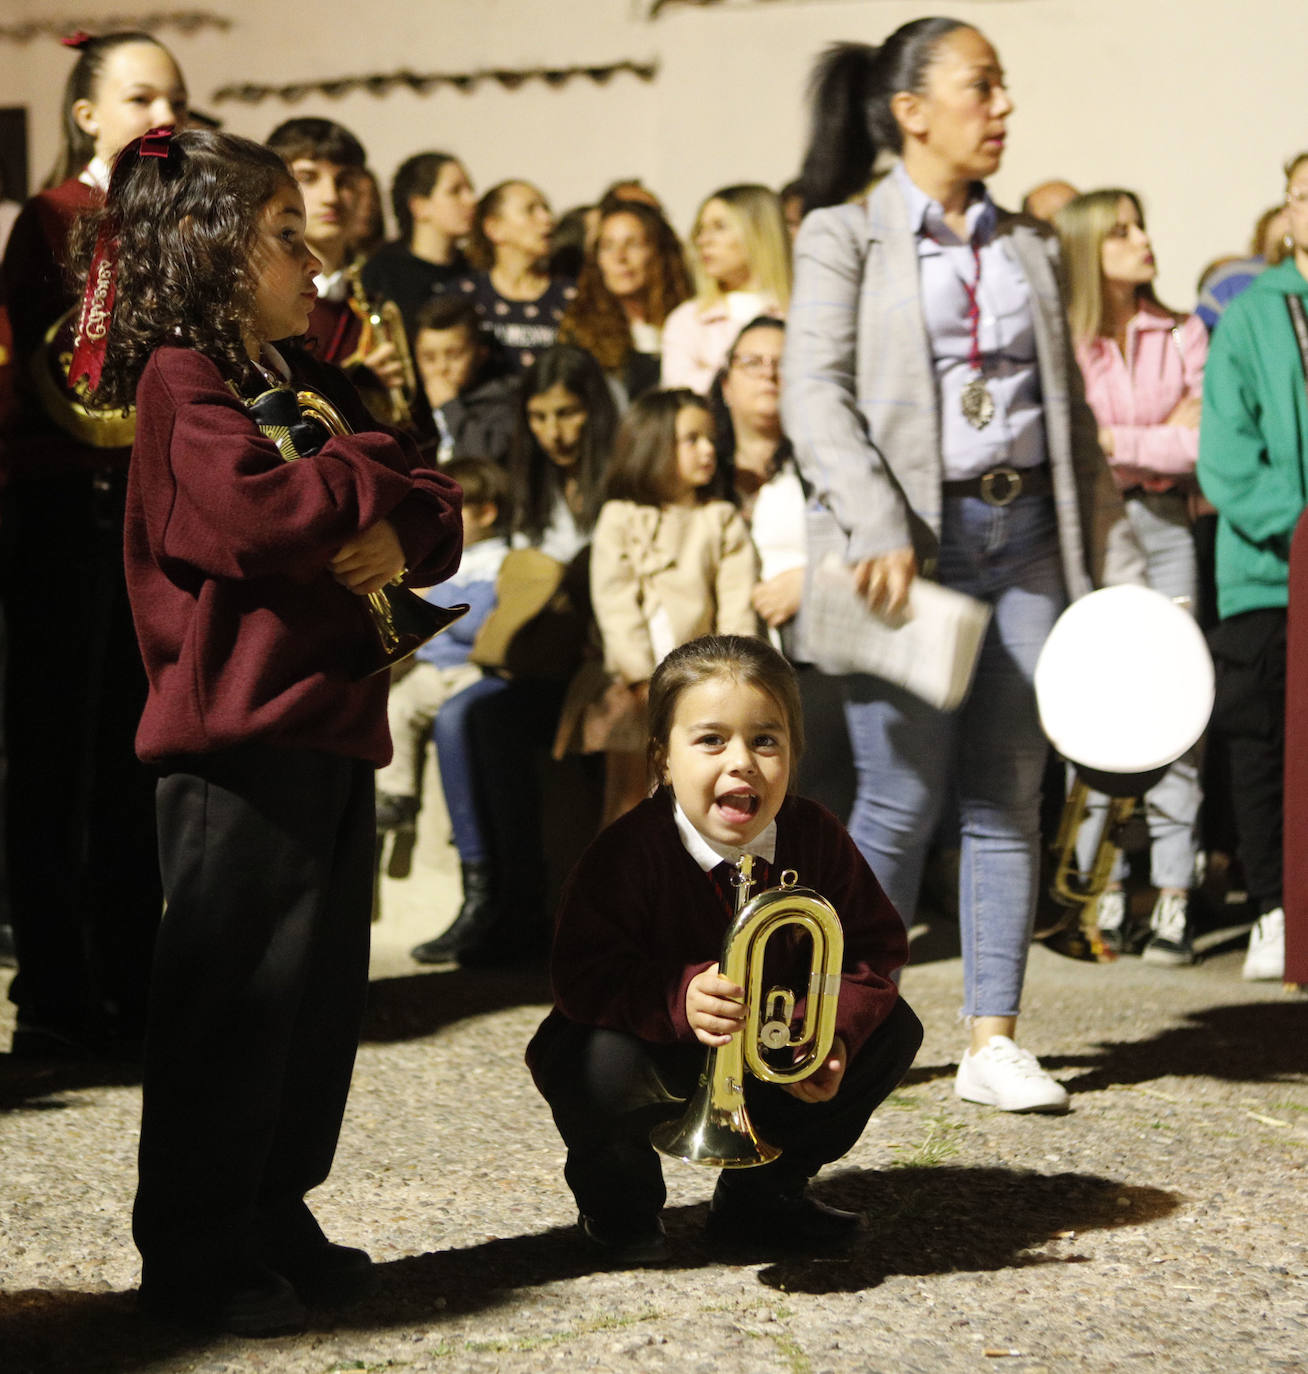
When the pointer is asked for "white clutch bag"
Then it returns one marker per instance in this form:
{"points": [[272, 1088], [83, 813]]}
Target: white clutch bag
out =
{"points": [[930, 648]]}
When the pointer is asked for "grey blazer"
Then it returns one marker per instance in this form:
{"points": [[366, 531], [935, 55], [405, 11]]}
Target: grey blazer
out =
{"points": [[860, 405]]}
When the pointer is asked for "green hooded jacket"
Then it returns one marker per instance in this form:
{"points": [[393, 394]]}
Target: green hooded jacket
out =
{"points": [[1253, 441]]}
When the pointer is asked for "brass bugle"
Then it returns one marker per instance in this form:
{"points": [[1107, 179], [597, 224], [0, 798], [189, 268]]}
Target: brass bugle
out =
{"points": [[715, 1128], [299, 422], [383, 323]]}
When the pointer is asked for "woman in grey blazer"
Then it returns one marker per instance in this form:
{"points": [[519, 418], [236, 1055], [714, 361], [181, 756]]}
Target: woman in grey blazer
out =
{"points": [[936, 409]]}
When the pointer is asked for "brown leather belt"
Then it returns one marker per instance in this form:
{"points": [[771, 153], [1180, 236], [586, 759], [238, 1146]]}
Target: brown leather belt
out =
{"points": [[1002, 486]]}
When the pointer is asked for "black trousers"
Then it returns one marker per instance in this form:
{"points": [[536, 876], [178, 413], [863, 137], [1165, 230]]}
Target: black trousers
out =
{"points": [[259, 983], [80, 838], [1249, 712], [607, 1090]]}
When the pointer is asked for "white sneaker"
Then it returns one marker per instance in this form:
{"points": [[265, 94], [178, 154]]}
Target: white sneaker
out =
{"points": [[1004, 1076], [1110, 918], [1266, 957]]}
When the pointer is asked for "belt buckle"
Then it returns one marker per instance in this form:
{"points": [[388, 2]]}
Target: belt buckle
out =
{"points": [[1008, 492]]}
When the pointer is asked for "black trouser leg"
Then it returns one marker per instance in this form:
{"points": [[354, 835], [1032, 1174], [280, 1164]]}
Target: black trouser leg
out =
{"points": [[608, 1089], [508, 731], [1249, 710], [83, 869], [260, 977], [811, 1134]]}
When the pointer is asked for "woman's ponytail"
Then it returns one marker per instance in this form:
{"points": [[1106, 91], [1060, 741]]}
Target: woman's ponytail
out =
{"points": [[841, 151], [850, 93]]}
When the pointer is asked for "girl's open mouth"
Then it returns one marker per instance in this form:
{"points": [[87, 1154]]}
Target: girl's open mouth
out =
{"points": [[737, 807]]}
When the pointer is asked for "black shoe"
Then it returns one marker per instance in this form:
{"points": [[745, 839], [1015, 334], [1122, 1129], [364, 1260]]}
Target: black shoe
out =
{"points": [[252, 1302], [292, 1243], [477, 918], [792, 1222], [74, 1044], [395, 812], [625, 1245], [331, 1276]]}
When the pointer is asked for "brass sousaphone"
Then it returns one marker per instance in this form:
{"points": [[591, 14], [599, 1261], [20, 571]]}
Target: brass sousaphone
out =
{"points": [[1124, 686], [299, 423], [715, 1128]]}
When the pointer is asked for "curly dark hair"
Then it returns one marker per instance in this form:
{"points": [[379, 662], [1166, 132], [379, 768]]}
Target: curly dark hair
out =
{"points": [[596, 320], [185, 226], [535, 481]]}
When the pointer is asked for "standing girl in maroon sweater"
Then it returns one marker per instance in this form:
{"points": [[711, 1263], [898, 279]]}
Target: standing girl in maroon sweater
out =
{"points": [[240, 568], [79, 826], [637, 992]]}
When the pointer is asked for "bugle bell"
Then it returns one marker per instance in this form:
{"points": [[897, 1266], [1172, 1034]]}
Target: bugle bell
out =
{"points": [[715, 1128], [299, 423], [1124, 686]]}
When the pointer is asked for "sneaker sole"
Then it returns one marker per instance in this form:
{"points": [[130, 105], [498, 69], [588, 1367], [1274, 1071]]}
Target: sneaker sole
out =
{"points": [[1168, 958], [990, 1100]]}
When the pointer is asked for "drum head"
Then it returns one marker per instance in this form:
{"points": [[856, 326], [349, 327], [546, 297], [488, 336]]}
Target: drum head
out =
{"points": [[1124, 682]]}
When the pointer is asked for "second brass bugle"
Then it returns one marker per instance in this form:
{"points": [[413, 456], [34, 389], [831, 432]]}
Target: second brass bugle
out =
{"points": [[383, 323]]}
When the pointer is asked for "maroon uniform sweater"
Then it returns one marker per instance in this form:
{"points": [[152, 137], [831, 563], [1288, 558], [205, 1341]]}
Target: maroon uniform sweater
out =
{"points": [[639, 919], [37, 294], [244, 633]]}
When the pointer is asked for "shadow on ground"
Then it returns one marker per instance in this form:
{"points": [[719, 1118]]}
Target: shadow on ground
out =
{"points": [[1249, 1042], [418, 1004], [921, 1221]]}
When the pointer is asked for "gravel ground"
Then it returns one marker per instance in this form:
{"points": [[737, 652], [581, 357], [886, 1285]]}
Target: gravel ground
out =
{"points": [[1158, 1226]]}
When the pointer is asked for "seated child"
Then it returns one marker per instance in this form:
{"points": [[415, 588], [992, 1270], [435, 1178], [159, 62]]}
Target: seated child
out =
{"points": [[472, 404], [637, 993], [441, 668]]}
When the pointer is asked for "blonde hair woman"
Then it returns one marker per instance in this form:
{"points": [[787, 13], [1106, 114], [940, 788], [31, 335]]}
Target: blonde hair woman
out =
{"points": [[741, 263], [1144, 374]]}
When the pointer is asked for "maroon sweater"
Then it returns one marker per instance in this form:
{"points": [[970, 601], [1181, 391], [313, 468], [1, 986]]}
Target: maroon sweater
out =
{"points": [[37, 294], [639, 919], [244, 633]]}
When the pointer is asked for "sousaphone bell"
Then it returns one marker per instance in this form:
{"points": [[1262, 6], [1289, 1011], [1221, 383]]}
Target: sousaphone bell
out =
{"points": [[1124, 686]]}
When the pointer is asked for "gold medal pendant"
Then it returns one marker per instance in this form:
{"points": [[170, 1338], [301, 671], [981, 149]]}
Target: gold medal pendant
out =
{"points": [[978, 405]]}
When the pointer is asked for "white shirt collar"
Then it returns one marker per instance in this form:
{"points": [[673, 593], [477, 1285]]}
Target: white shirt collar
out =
{"points": [[274, 361], [332, 286], [708, 854], [95, 173]]}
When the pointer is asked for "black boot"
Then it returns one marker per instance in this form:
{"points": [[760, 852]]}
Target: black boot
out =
{"points": [[476, 917]]}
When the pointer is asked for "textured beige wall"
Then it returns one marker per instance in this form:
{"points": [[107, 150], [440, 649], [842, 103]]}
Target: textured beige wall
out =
{"points": [[1193, 104]]}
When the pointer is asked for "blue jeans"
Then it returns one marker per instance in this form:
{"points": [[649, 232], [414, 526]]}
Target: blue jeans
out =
{"points": [[459, 774], [989, 754]]}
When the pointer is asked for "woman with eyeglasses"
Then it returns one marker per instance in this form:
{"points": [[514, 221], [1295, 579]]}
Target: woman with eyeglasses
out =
{"points": [[746, 401], [1253, 466], [935, 406]]}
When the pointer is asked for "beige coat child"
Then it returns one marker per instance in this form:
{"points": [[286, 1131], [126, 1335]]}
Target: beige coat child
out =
{"points": [[658, 578], [661, 576]]}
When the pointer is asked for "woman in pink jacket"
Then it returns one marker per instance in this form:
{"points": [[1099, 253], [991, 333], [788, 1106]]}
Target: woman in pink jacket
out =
{"points": [[1144, 371]]}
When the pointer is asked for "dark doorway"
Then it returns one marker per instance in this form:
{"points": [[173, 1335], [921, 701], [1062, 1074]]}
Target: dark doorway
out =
{"points": [[13, 152]]}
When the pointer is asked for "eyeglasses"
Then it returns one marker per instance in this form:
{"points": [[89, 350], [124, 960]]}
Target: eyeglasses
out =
{"points": [[757, 364], [1297, 195]]}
